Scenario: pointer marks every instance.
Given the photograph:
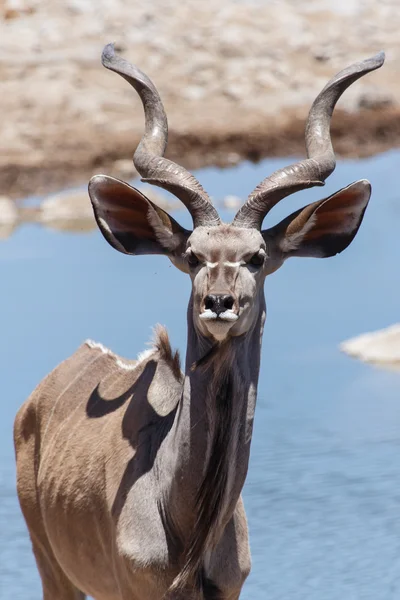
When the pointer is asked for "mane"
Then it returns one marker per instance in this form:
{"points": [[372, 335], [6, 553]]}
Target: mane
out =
{"points": [[162, 344], [159, 344]]}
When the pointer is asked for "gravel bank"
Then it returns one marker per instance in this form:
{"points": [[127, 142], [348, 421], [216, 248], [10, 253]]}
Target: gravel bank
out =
{"points": [[237, 79]]}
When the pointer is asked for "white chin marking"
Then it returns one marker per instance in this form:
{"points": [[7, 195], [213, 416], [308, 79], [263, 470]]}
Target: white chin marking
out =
{"points": [[209, 315], [227, 263]]}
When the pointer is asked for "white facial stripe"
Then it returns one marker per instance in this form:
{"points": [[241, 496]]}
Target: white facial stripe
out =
{"points": [[232, 264], [228, 263]]}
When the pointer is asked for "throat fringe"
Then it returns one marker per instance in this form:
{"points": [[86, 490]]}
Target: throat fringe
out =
{"points": [[211, 496]]}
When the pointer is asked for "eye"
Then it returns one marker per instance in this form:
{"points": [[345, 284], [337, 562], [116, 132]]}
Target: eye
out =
{"points": [[257, 260], [192, 260]]}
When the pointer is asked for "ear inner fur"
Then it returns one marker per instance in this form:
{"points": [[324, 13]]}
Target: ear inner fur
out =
{"points": [[130, 222], [323, 228]]}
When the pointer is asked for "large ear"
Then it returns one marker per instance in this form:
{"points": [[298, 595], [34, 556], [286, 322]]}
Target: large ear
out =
{"points": [[133, 224], [323, 228]]}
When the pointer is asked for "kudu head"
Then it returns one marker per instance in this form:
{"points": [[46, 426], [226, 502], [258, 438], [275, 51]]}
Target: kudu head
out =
{"points": [[228, 263]]}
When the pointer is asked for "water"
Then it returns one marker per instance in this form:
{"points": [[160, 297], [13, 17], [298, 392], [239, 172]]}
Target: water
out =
{"points": [[323, 491]]}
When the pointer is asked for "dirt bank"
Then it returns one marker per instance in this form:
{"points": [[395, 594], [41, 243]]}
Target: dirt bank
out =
{"points": [[237, 80]]}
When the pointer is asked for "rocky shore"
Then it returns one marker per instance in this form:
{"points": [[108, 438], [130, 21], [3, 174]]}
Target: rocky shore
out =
{"points": [[237, 79], [380, 348]]}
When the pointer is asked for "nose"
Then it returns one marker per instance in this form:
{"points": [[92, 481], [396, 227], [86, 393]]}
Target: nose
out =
{"points": [[218, 303]]}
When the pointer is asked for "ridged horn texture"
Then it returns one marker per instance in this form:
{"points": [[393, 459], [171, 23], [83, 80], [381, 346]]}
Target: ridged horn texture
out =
{"points": [[321, 160], [149, 156]]}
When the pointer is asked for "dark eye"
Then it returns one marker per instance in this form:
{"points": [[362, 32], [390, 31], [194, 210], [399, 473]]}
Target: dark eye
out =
{"points": [[193, 260], [257, 260]]}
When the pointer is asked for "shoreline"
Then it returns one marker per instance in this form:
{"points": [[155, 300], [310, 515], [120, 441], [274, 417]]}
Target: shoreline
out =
{"points": [[237, 79], [358, 135]]}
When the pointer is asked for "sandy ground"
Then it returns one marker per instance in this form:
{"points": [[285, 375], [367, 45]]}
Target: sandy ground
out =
{"points": [[237, 79]]}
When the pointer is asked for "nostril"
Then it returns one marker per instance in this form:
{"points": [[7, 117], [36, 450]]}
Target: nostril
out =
{"points": [[228, 302], [218, 303], [209, 302]]}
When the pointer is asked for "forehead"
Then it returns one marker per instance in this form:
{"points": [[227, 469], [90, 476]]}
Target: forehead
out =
{"points": [[225, 239]]}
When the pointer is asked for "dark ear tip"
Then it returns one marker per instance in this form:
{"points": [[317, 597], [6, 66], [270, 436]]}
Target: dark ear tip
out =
{"points": [[362, 187]]}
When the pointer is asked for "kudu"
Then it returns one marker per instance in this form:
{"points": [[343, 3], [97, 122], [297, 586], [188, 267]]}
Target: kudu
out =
{"points": [[129, 472]]}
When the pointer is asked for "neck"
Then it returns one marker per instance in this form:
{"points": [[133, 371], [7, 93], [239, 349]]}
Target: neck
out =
{"points": [[209, 443]]}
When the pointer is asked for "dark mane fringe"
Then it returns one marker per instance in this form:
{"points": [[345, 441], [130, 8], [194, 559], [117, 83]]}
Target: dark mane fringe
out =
{"points": [[210, 590], [210, 496], [206, 360], [163, 345]]}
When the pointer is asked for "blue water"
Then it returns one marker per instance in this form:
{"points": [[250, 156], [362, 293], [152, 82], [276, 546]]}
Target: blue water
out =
{"points": [[323, 490]]}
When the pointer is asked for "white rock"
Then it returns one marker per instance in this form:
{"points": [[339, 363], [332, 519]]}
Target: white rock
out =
{"points": [[379, 347], [232, 202], [233, 158], [234, 91], [8, 211], [7, 229], [66, 206], [17, 8], [124, 166], [194, 92]]}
